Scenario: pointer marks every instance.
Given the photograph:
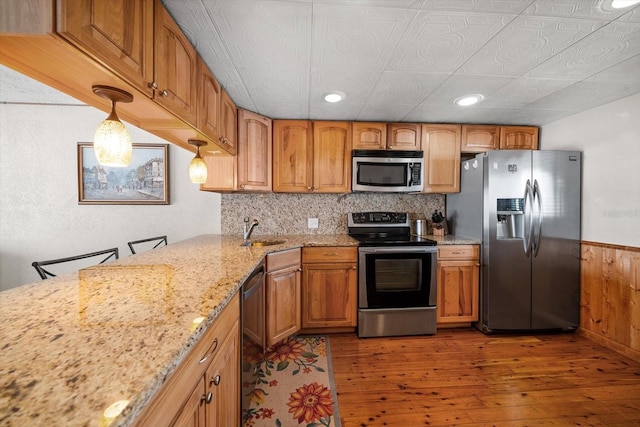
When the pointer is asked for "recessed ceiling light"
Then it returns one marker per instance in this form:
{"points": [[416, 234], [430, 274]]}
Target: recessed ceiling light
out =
{"points": [[335, 96], [465, 101], [621, 4]]}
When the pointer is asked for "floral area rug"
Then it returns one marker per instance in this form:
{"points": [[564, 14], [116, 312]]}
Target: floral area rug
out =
{"points": [[291, 384]]}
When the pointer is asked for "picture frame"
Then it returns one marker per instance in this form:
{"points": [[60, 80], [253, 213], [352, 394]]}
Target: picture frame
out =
{"points": [[144, 182]]}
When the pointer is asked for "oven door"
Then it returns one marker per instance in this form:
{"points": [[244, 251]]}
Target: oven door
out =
{"points": [[397, 277]]}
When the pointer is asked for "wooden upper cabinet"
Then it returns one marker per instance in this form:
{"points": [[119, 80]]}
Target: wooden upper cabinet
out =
{"points": [[480, 138], [208, 112], [292, 156], [250, 169], [518, 138], [331, 157], [441, 145], [403, 136], [254, 151], [175, 67], [118, 33], [369, 136], [228, 123]]}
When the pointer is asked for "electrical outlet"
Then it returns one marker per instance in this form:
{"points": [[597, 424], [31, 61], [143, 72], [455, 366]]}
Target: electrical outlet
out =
{"points": [[312, 222]]}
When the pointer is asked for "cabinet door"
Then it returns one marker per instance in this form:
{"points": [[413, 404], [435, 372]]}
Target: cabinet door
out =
{"points": [[331, 157], [329, 295], [518, 138], [283, 304], [480, 138], [221, 173], [223, 382], [228, 123], [457, 291], [368, 136], [441, 145], [254, 151], [175, 68], [119, 33], [403, 136], [292, 156], [208, 111], [192, 413]]}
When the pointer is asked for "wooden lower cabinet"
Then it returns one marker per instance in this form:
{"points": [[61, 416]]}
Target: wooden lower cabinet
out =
{"points": [[204, 389], [458, 285], [330, 280], [214, 401], [283, 295]]}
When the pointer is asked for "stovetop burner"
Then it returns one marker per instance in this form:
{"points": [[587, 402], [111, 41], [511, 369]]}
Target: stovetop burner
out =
{"points": [[383, 229]]}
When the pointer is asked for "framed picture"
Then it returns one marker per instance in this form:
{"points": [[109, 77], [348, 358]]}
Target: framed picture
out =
{"points": [[144, 182]]}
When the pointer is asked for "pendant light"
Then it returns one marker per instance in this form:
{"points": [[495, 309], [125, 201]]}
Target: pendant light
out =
{"points": [[112, 142], [197, 167]]}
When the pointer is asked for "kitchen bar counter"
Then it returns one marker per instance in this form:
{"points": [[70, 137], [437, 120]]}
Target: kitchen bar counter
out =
{"points": [[73, 345]]}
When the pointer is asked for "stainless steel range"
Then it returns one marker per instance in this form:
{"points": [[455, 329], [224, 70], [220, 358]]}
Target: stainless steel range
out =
{"points": [[396, 276]]}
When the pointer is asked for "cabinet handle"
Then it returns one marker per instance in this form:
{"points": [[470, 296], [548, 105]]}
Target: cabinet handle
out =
{"points": [[164, 93], [330, 254], [241, 185], [210, 352], [153, 85], [207, 398], [215, 380], [354, 267]]}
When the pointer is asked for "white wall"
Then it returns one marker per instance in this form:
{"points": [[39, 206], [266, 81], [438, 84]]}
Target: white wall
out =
{"points": [[609, 137], [39, 213]]}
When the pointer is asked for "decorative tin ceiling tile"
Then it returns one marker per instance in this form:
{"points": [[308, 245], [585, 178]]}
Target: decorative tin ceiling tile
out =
{"points": [[357, 38], [587, 9], [407, 88], [485, 6], [441, 42], [598, 51], [525, 43]]}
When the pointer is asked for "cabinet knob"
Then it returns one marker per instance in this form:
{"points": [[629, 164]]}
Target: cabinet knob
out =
{"points": [[207, 398], [241, 185], [215, 380], [153, 85], [164, 93]]}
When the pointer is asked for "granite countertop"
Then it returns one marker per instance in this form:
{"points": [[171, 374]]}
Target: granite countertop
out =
{"points": [[72, 346], [452, 239]]}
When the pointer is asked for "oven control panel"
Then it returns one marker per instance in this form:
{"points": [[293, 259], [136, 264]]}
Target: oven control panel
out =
{"points": [[379, 218]]}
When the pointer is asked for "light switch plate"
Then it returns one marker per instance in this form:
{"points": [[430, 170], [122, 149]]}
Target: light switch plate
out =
{"points": [[312, 222]]}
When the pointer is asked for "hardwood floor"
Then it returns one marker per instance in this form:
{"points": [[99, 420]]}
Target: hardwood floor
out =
{"points": [[465, 378]]}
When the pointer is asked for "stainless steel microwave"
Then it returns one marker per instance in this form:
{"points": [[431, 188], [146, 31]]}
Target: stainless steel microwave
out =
{"points": [[387, 171]]}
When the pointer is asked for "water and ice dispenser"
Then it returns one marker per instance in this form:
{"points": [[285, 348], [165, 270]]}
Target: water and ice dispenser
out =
{"points": [[510, 219]]}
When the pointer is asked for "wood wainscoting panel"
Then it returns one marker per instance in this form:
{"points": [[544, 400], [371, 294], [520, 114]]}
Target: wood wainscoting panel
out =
{"points": [[610, 296]]}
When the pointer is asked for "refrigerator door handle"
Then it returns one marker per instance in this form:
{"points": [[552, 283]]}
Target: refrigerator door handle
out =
{"points": [[537, 197], [528, 217]]}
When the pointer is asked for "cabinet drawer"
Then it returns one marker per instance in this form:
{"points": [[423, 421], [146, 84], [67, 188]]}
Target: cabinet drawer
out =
{"points": [[454, 252], [182, 381], [330, 254], [283, 259]]}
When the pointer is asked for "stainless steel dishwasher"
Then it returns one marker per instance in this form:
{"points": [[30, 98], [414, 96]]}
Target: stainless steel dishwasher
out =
{"points": [[253, 333]]}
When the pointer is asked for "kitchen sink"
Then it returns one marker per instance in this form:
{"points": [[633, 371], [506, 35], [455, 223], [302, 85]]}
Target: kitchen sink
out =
{"points": [[263, 242]]}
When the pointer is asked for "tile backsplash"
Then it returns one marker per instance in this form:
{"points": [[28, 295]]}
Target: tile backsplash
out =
{"points": [[280, 213]]}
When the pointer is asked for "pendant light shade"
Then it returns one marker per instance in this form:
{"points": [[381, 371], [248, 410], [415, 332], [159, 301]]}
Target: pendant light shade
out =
{"points": [[197, 167], [112, 142]]}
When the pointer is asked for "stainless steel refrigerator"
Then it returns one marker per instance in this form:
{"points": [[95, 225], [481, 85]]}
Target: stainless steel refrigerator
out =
{"points": [[525, 208]]}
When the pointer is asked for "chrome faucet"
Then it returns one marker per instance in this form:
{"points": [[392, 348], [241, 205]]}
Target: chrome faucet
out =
{"points": [[248, 228]]}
